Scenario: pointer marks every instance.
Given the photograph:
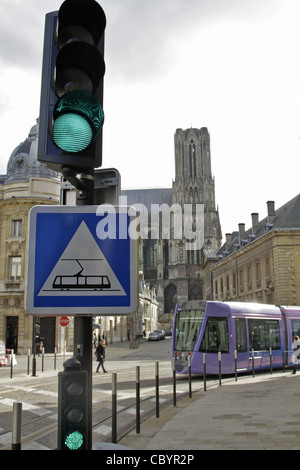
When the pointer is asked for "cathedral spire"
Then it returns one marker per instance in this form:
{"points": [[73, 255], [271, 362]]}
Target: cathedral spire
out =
{"points": [[194, 183]]}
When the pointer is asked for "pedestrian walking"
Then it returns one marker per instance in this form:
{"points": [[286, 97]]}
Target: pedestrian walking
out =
{"points": [[100, 354], [296, 353]]}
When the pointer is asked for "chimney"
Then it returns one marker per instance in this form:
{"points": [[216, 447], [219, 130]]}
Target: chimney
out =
{"points": [[241, 232], [228, 241], [254, 216], [271, 211]]}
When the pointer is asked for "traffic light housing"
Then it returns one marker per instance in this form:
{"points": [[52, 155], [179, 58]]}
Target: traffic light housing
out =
{"points": [[72, 407], [71, 106]]}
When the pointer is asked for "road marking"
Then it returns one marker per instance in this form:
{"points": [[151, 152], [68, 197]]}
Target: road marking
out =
{"points": [[26, 407], [132, 411], [102, 429], [33, 390]]}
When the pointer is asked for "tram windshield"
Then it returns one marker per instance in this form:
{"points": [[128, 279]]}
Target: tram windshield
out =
{"points": [[187, 327]]}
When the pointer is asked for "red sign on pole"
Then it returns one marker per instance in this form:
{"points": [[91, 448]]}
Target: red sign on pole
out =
{"points": [[64, 321]]}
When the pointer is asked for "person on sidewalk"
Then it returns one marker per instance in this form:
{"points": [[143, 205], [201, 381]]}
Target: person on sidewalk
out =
{"points": [[100, 354], [296, 353]]}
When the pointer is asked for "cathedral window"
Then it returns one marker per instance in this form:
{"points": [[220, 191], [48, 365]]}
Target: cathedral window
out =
{"points": [[170, 296], [192, 157], [151, 253]]}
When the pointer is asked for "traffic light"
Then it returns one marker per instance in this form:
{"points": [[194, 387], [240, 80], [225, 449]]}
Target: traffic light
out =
{"points": [[71, 106], [72, 407]]}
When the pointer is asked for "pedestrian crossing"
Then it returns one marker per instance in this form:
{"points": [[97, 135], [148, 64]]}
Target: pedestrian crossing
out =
{"points": [[37, 410], [42, 412]]}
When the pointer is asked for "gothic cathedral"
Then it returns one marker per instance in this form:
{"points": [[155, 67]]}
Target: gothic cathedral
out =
{"points": [[167, 262]]}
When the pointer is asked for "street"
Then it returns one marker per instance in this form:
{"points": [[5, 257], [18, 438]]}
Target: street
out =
{"points": [[39, 395]]}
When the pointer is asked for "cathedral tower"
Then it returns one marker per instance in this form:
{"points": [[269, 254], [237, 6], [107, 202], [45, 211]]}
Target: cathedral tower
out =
{"points": [[194, 183]]}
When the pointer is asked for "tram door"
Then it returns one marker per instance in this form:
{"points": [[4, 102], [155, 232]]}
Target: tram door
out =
{"points": [[241, 344]]}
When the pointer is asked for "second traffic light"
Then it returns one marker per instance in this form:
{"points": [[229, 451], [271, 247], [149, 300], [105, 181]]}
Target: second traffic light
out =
{"points": [[72, 407], [71, 109]]}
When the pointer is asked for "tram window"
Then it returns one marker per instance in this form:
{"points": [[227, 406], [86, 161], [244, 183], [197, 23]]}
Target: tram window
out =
{"points": [[264, 334], [187, 327], [295, 327], [215, 338], [241, 335]]}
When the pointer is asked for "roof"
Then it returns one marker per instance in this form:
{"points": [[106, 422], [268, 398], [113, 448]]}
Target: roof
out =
{"points": [[23, 161], [147, 197], [284, 218]]}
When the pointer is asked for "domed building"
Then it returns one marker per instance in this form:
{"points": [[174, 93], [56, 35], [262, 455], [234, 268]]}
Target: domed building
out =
{"points": [[26, 184]]}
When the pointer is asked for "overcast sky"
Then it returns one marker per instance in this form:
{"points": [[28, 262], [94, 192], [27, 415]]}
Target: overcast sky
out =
{"points": [[232, 66]]}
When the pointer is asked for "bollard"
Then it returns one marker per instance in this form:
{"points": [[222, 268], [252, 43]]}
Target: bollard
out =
{"points": [[253, 368], [114, 409], [220, 372], [235, 364], [138, 410], [271, 365], [190, 376], [204, 372], [174, 383], [28, 361], [157, 389], [11, 363], [16, 427], [34, 362], [43, 357]]}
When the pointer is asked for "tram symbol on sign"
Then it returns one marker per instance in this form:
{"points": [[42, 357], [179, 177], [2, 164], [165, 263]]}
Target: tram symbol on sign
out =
{"points": [[94, 276], [79, 281]]}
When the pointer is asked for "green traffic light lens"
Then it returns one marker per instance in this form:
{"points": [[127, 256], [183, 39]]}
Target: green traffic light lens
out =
{"points": [[72, 133], [77, 120], [74, 440]]}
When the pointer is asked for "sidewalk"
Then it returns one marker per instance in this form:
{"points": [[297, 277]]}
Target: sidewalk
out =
{"points": [[260, 413]]}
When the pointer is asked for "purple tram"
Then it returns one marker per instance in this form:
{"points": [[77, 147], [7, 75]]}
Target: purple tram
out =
{"points": [[244, 333]]}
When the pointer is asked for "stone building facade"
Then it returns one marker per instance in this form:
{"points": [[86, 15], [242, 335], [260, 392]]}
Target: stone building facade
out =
{"points": [[262, 263], [26, 184]]}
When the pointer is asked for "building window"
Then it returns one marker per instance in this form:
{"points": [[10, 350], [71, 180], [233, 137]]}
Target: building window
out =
{"points": [[216, 287], [268, 273], [227, 284], [16, 228], [249, 277], [257, 268], [15, 268], [241, 280], [234, 280], [195, 293]]}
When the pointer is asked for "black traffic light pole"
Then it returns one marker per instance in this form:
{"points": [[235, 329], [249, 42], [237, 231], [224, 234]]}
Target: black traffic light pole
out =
{"points": [[83, 326]]}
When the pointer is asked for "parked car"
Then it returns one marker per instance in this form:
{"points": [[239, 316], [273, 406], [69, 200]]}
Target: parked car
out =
{"points": [[154, 336], [161, 333], [169, 333]]}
